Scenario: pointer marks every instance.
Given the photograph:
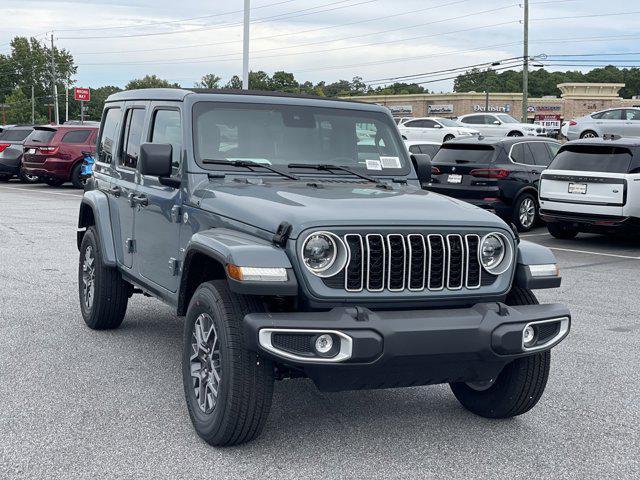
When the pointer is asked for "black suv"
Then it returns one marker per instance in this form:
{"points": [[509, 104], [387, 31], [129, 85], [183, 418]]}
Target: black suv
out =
{"points": [[293, 235], [495, 173]]}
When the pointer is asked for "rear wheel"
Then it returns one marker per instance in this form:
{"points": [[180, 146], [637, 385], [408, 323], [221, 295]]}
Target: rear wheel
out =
{"points": [[525, 212], [589, 134], [53, 182], [75, 176], [519, 386], [562, 230], [228, 388], [448, 137], [515, 133]]}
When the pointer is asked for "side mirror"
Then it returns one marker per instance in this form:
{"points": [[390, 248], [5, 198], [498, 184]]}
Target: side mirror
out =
{"points": [[437, 125], [422, 164], [497, 122], [155, 159]]}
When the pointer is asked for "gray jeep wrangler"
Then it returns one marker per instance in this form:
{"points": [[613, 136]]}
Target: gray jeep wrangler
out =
{"points": [[293, 235]]}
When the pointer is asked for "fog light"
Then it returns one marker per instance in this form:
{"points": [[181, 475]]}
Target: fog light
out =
{"points": [[323, 344], [529, 336]]}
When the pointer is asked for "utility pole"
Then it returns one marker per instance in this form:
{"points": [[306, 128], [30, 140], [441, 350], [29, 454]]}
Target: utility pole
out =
{"points": [[33, 106], [66, 102], [54, 88], [245, 45], [525, 65]]}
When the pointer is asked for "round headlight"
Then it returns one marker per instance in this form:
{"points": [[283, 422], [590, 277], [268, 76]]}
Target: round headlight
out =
{"points": [[495, 253], [319, 252]]}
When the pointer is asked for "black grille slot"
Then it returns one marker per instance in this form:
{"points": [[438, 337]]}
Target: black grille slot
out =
{"points": [[487, 279], [397, 262], [417, 257], [455, 262], [473, 264], [546, 331], [376, 262], [298, 344], [355, 268], [337, 281], [436, 271]]}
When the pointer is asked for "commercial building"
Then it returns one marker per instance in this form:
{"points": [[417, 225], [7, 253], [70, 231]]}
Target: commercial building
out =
{"points": [[576, 100]]}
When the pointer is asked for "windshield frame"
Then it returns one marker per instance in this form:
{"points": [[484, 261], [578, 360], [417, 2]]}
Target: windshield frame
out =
{"points": [[379, 116]]}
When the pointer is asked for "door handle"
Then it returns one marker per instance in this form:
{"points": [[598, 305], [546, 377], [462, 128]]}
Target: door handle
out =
{"points": [[139, 200], [115, 191]]}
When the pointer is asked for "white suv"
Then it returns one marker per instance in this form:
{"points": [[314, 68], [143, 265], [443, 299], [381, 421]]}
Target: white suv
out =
{"points": [[592, 186], [434, 129], [501, 125]]}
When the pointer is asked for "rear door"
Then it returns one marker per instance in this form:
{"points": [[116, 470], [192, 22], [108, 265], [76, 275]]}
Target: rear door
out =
{"points": [[631, 123], [589, 179], [611, 123]]}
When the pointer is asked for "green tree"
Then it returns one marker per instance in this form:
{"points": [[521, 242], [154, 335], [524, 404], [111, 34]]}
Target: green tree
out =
{"points": [[150, 81], [18, 107], [282, 81], [210, 81]]}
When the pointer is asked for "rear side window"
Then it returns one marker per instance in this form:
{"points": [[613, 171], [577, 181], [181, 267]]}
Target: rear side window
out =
{"points": [[14, 135], [461, 154], [430, 150], [414, 149], [593, 158], [167, 128], [76, 136], [520, 153], [41, 136], [132, 137], [541, 154], [111, 119]]}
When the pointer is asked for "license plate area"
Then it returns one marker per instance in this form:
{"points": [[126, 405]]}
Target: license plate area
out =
{"points": [[578, 188], [454, 178]]}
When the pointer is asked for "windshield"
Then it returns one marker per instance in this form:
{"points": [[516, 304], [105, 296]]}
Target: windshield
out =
{"points": [[593, 158], [507, 118], [447, 122], [279, 135]]}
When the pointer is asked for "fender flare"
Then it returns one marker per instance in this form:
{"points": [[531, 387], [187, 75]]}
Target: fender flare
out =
{"points": [[530, 253], [94, 210], [526, 189]]}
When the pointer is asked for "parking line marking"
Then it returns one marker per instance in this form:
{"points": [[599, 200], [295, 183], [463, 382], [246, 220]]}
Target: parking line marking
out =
{"points": [[595, 253], [41, 191]]}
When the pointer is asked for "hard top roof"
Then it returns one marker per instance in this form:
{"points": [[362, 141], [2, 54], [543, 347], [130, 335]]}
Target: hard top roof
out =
{"points": [[506, 141], [632, 142]]}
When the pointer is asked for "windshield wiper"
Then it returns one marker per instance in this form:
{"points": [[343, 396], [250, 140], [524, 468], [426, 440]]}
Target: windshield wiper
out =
{"points": [[249, 164], [329, 167]]}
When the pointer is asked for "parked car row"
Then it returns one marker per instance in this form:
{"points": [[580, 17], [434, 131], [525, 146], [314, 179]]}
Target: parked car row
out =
{"points": [[52, 154]]}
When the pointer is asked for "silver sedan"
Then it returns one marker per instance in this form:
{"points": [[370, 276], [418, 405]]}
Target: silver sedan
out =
{"points": [[624, 122]]}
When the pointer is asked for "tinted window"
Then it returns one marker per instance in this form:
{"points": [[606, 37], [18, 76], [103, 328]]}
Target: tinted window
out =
{"points": [[632, 115], [76, 136], [430, 150], [414, 149], [132, 137], [540, 152], [464, 154], [413, 124], [593, 158], [14, 135], [553, 148], [520, 153], [167, 128], [428, 124], [41, 136], [110, 121], [473, 119], [611, 115]]}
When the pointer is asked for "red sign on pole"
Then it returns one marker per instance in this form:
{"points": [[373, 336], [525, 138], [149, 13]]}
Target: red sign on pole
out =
{"points": [[82, 94]]}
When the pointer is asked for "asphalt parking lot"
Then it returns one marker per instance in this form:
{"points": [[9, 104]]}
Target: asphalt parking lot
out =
{"points": [[75, 403]]}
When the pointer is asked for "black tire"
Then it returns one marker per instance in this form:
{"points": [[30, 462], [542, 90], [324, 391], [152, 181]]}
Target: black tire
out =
{"points": [[515, 133], [27, 178], [53, 182], [448, 137], [562, 230], [111, 291], [525, 220], [245, 385], [588, 134], [4, 178], [519, 386], [75, 176]]}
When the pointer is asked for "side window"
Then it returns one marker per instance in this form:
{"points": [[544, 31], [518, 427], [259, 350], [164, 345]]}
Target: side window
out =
{"points": [[413, 124], [490, 120], [76, 136], [553, 149], [540, 152], [632, 115], [430, 150], [473, 119], [167, 128], [414, 149], [132, 137], [110, 121], [520, 153], [612, 115], [428, 124]]}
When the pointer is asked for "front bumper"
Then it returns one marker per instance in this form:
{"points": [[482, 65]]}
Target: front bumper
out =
{"points": [[405, 348]]}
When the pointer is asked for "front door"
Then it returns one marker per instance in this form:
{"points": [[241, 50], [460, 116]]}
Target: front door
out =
{"points": [[631, 123], [124, 182], [157, 211]]}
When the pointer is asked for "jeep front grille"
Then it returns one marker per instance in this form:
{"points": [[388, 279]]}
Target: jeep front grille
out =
{"points": [[415, 262]]}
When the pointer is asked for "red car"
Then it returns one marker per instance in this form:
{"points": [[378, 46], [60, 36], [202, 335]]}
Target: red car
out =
{"points": [[54, 153]]}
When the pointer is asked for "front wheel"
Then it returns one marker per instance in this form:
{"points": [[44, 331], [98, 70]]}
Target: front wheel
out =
{"points": [[519, 386], [228, 388], [562, 231], [448, 137], [515, 133]]}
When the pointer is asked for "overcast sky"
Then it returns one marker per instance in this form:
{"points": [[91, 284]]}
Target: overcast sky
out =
{"points": [[316, 39]]}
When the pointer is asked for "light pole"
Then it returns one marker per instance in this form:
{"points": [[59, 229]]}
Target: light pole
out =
{"points": [[245, 45], [525, 65]]}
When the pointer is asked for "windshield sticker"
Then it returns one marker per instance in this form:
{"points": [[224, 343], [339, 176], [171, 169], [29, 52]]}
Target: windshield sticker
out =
{"points": [[390, 162], [374, 165]]}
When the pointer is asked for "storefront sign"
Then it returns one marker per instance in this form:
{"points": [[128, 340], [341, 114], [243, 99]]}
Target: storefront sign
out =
{"points": [[440, 108], [549, 121], [506, 108], [544, 108], [401, 109]]}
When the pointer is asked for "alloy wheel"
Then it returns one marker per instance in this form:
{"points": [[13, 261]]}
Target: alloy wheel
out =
{"points": [[589, 135], [88, 277], [527, 212], [206, 367]]}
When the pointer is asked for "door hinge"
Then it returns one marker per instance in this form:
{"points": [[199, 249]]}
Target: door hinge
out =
{"points": [[131, 245], [173, 266], [176, 214]]}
